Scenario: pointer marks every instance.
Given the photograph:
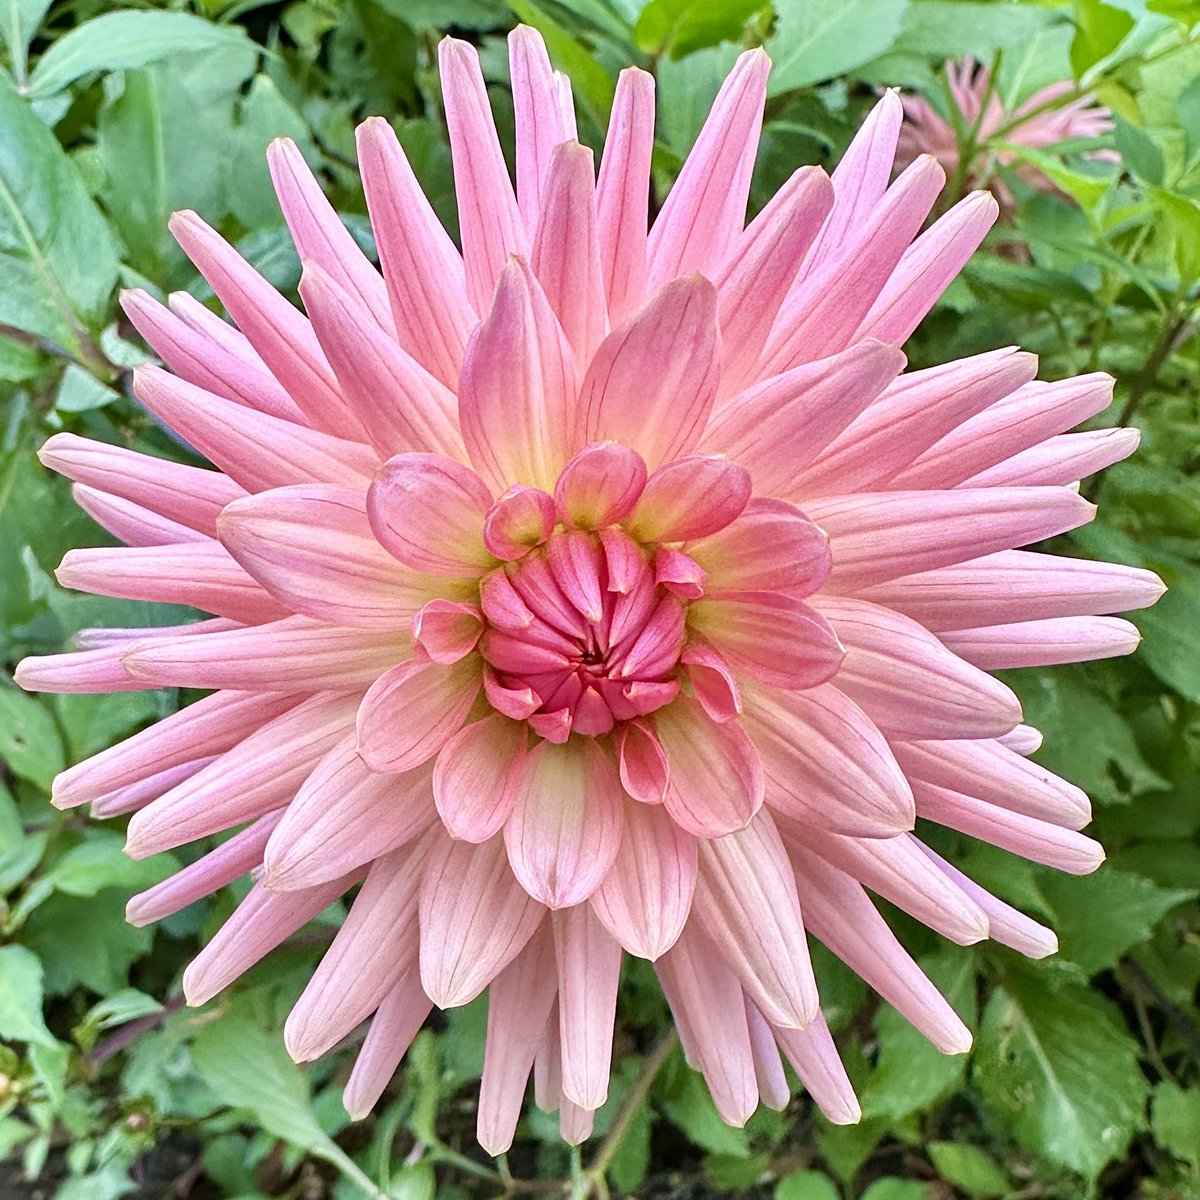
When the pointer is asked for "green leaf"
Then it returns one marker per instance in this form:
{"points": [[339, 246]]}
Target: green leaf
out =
{"points": [[896, 1189], [19, 21], [80, 391], [57, 255], [806, 1185], [1055, 1063], [29, 742], [1099, 917], [21, 997], [1139, 151], [1175, 1121], [679, 27], [247, 1067], [1171, 640], [1099, 30], [119, 41], [969, 1169], [820, 39], [950, 28]]}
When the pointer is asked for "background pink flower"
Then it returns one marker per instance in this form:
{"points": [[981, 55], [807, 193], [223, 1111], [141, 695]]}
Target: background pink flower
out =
{"points": [[594, 591]]}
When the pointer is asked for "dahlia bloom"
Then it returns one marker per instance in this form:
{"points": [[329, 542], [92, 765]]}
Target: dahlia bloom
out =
{"points": [[593, 592], [1045, 119]]}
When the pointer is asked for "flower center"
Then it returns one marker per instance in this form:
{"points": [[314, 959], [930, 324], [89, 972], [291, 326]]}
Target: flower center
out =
{"points": [[585, 631]]}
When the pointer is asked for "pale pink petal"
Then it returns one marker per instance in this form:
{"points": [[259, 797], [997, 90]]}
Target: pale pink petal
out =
{"points": [[692, 497], [261, 773], [343, 816], [772, 546], [518, 387], [705, 211], [262, 921], [101, 669], [421, 266], [1044, 643], [130, 522], [319, 234], [1016, 585], [487, 209], [203, 575], [376, 944], [589, 969], [312, 548], [276, 330], [1060, 460], [645, 899], [600, 485], [522, 518], [878, 536], [294, 654], [623, 193], [712, 681], [393, 1028], [137, 796], [476, 777], [428, 512], [716, 780], [209, 873], [399, 404], [256, 450], [746, 902], [644, 770], [772, 637], [412, 711], [773, 1088], [519, 1003], [566, 250], [815, 1059], [778, 427], [907, 682], [475, 919], [189, 495], [655, 403], [838, 912], [825, 763], [565, 828]]}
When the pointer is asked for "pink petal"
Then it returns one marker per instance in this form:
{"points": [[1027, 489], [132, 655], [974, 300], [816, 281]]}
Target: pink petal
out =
{"points": [[311, 547], [772, 546], [477, 775], [428, 512], [518, 387], [623, 192], [131, 523], [566, 250], [397, 402], [1015, 585], [883, 535], [771, 637], [488, 216], [773, 1088], [706, 208], [369, 955], [256, 450], [421, 266], [716, 781], [522, 518], [712, 680], [826, 764], [1060, 461], [276, 330], [746, 902], [343, 816], [815, 1059], [656, 405], [138, 795], [475, 919], [692, 497], [319, 234], [589, 969], [778, 427], [1043, 643], [565, 829], [906, 681], [189, 495], [600, 485], [645, 899], [200, 574], [410, 712], [294, 654], [642, 763], [445, 632]]}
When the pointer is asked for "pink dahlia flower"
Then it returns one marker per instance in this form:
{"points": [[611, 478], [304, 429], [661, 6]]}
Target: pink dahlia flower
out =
{"points": [[593, 592], [1048, 117]]}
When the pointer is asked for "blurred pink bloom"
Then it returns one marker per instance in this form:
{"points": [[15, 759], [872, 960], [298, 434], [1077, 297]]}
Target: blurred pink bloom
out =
{"points": [[1045, 119], [593, 592]]}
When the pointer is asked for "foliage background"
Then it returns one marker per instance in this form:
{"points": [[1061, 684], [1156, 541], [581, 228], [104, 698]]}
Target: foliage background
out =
{"points": [[1085, 1080]]}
